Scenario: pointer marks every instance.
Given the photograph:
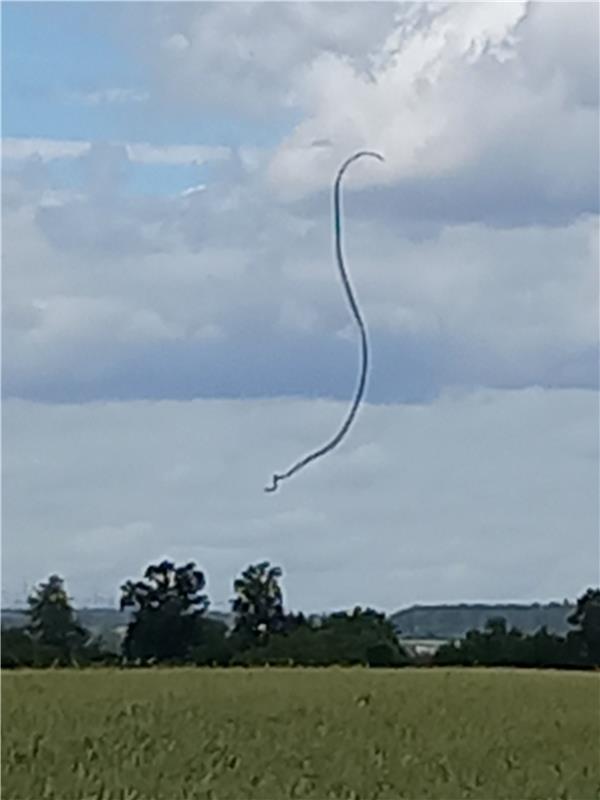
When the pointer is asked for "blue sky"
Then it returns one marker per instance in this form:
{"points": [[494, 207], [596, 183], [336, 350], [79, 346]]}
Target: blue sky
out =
{"points": [[54, 55], [51, 53], [167, 178]]}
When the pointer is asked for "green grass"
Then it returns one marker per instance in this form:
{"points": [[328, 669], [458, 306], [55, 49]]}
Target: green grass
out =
{"points": [[303, 733]]}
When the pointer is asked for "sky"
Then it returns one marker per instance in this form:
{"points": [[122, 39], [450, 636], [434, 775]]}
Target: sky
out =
{"points": [[174, 329]]}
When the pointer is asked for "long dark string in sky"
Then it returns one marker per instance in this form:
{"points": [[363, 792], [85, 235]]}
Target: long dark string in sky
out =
{"points": [[364, 347]]}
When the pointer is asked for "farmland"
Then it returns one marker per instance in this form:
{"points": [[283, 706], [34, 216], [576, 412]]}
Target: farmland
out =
{"points": [[172, 734]]}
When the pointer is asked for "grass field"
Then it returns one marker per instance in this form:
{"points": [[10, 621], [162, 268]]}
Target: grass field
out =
{"points": [[274, 733]]}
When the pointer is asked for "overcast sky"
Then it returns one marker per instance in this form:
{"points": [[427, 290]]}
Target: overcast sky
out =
{"points": [[174, 330]]}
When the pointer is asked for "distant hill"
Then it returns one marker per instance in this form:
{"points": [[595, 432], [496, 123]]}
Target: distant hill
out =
{"points": [[417, 622], [109, 623], [453, 621], [96, 620]]}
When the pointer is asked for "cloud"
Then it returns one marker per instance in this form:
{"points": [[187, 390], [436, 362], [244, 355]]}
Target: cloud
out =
{"points": [[45, 149], [114, 96], [477, 496], [144, 153], [453, 89], [483, 111], [176, 43], [473, 251], [474, 267], [245, 56], [137, 152], [233, 293], [569, 60], [200, 187]]}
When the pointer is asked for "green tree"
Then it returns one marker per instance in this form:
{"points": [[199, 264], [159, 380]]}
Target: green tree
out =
{"points": [[212, 646], [17, 648], [356, 637], [258, 604], [544, 649], [498, 646], [362, 636], [586, 619], [167, 606], [53, 624]]}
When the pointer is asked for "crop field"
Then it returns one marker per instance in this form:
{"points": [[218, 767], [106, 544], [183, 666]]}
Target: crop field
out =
{"points": [[172, 734]]}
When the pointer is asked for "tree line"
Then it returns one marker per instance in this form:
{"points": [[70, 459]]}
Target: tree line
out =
{"points": [[169, 625]]}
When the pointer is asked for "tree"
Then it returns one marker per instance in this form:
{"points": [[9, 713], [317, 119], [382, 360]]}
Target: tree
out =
{"points": [[497, 646], [544, 649], [362, 636], [53, 623], [586, 618], [167, 605], [17, 648], [355, 637], [258, 605], [211, 646], [496, 627]]}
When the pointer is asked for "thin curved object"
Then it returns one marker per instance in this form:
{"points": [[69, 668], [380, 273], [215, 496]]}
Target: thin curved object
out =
{"points": [[364, 349]]}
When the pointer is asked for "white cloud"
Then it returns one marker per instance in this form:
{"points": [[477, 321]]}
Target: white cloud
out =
{"points": [[447, 90], [113, 96], [484, 496], [474, 253], [569, 60], [200, 187], [176, 43], [144, 153], [137, 152], [474, 258], [45, 149], [511, 291], [229, 265], [244, 55], [78, 334]]}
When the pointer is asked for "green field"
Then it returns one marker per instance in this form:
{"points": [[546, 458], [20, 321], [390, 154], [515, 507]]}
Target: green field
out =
{"points": [[300, 733]]}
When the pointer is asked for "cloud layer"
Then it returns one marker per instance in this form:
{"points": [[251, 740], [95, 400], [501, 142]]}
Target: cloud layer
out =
{"points": [[167, 245], [473, 248], [490, 495], [224, 292]]}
